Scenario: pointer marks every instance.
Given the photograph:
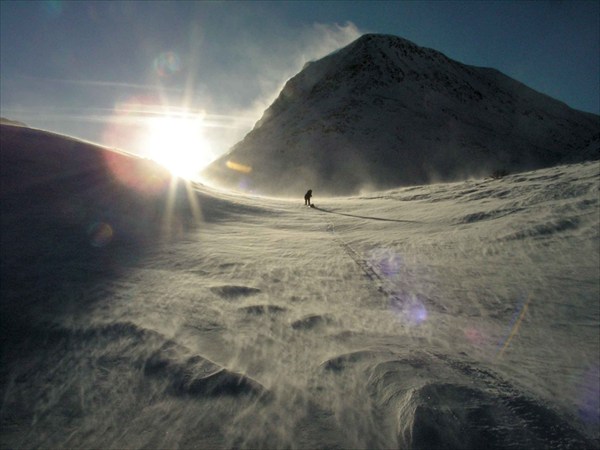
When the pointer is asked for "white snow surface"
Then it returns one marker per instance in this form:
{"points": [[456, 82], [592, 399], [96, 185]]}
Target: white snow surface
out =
{"points": [[461, 315]]}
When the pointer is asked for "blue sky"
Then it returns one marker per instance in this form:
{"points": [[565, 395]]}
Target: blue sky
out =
{"points": [[92, 69]]}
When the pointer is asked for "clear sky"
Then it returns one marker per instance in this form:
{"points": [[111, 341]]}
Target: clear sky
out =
{"points": [[112, 72]]}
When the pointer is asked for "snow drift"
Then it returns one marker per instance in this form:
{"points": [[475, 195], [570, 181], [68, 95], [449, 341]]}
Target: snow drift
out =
{"points": [[383, 112], [457, 315]]}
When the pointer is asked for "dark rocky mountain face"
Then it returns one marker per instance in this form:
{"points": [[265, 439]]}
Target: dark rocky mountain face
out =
{"points": [[384, 112]]}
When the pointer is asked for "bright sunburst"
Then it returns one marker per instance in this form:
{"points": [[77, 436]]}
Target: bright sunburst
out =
{"points": [[178, 144]]}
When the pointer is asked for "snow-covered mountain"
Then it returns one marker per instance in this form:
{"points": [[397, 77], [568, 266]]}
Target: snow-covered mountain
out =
{"points": [[383, 112], [134, 314]]}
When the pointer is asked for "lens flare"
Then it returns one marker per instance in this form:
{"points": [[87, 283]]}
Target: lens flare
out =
{"points": [[387, 262], [142, 175], [474, 336], [238, 167], [167, 64], [245, 185], [515, 324], [53, 8], [100, 234], [409, 308], [126, 126], [589, 401]]}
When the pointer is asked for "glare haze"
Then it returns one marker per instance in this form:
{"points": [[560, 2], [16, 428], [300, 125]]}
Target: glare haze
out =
{"points": [[105, 71]]}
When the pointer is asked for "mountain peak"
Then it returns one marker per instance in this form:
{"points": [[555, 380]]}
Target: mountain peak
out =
{"points": [[383, 112], [384, 41]]}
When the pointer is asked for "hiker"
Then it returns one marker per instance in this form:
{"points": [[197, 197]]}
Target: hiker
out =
{"points": [[307, 197]]}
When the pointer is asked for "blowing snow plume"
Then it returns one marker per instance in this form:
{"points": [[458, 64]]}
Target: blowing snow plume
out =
{"points": [[383, 112], [236, 97]]}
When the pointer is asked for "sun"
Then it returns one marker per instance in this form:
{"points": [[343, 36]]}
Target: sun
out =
{"points": [[178, 143]]}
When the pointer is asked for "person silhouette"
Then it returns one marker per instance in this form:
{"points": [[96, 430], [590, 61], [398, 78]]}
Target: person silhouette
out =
{"points": [[307, 197]]}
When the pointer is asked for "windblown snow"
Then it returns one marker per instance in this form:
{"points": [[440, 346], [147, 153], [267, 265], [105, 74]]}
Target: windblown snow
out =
{"points": [[137, 312]]}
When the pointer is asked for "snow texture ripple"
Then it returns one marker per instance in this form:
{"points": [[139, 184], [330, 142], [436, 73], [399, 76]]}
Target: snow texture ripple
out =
{"points": [[460, 315]]}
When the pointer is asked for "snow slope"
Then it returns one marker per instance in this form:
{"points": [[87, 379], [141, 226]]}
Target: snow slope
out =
{"points": [[460, 315], [383, 112]]}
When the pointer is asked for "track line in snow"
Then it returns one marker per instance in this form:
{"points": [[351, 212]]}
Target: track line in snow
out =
{"points": [[370, 272], [410, 307]]}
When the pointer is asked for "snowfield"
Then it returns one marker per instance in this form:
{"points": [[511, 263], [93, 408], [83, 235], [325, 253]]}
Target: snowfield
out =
{"points": [[461, 315]]}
